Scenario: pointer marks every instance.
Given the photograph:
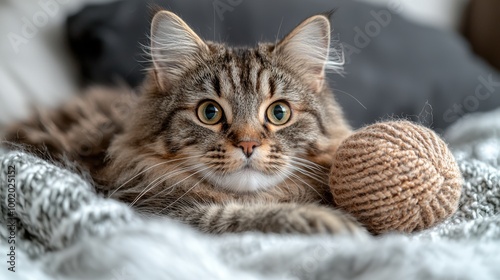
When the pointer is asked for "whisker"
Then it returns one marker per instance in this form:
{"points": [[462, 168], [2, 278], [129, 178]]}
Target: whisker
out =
{"points": [[293, 181], [147, 169], [317, 179], [279, 29], [282, 176], [310, 168], [190, 189], [352, 96], [171, 187], [313, 165], [160, 180], [300, 179]]}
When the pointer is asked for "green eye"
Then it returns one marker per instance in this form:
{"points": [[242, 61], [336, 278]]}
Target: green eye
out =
{"points": [[279, 113], [209, 112]]}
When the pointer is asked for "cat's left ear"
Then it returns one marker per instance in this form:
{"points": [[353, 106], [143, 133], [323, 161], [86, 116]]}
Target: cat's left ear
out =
{"points": [[306, 49]]}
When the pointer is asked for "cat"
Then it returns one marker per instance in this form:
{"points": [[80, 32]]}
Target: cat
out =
{"points": [[225, 139]]}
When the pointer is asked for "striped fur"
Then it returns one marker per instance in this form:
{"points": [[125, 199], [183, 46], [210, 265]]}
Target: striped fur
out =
{"points": [[166, 161]]}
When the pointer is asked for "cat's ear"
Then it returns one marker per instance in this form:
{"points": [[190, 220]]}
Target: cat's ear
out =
{"points": [[307, 48], [175, 48]]}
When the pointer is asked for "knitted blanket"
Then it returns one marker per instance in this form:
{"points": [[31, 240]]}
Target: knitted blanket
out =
{"points": [[53, 226]]}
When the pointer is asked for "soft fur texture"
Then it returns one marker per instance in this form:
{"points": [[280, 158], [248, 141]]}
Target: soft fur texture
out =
{"points": [[72, 233], [79, 131], [162, 158]]}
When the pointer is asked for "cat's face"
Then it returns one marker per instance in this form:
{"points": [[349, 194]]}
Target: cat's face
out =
{"points": [[242, 119]]}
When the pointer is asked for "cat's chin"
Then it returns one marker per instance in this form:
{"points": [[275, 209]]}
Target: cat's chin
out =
{"points": [[245, 180]]}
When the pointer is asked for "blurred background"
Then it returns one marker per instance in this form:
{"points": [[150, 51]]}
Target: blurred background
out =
{"points": [[431, 61]]}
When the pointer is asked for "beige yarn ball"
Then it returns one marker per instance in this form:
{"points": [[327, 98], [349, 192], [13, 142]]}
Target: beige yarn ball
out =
{"points": [[396, 176]]}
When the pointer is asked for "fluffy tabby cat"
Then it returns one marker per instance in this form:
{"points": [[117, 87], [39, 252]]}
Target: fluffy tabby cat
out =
{"points": [[225, 139]]}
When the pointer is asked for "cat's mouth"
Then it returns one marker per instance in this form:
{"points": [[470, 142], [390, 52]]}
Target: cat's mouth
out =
{"points": [[246, 179], [246, 174], [251, 168], [248, 166]]}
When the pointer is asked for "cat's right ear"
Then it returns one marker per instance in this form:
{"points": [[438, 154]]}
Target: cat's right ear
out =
{"points": [[175, 48]]}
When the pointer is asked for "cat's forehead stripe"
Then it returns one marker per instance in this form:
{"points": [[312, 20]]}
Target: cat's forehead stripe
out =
{"points": [[250, 75], [241, 69], [225, 82], [216, 84], [272, 87], [235, 74]]}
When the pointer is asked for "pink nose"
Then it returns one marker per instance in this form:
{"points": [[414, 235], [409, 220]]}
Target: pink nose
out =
{"points": [[248, 147]]}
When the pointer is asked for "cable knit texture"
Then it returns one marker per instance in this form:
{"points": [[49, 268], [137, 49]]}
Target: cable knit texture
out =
{"points": [[396, 176], [65, 231], [53, 206]]}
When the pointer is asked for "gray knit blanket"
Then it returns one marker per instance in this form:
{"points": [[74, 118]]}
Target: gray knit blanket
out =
{"points": [[54, 226]]}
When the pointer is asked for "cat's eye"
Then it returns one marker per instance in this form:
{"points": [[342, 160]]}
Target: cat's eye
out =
{"points": [[279, 113], [209, 112]]}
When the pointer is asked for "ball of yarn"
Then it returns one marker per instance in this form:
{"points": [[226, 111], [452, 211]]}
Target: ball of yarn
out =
{"points": [[396, 176]]}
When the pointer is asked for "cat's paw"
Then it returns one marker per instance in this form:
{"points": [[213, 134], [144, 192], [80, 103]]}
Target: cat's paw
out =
{"points": [[311, 219], [272, 218]]}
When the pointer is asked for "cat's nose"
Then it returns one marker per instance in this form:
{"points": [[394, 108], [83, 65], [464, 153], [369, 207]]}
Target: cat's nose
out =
{"points": [[248, 147]]}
